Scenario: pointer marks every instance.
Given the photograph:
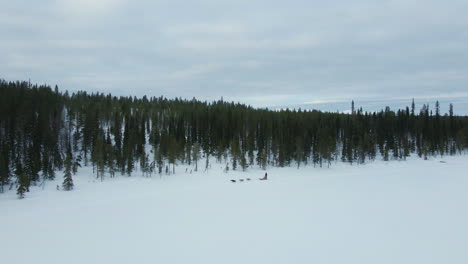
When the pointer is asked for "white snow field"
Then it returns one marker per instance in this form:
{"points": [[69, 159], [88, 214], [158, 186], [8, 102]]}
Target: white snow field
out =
{"points": [[382, 212]]}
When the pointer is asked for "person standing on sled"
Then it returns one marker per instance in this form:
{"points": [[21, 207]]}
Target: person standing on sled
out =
{"points": [[264, 177]]}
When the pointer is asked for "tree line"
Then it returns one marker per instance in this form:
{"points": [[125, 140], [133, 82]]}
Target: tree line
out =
{"points": [[44, 131]]}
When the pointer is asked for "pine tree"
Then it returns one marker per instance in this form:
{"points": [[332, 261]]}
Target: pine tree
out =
{"points": [[159, 161], [67, 177], [145, 165], [235, 153], [76, 164], [172, 152], [243, 162], [196, 154], [207, 161], [299, 150], [263, 160], [47, 166], [4, 170], [23, 183]]}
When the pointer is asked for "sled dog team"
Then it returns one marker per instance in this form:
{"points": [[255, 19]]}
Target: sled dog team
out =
{"points": [[248, 179]]}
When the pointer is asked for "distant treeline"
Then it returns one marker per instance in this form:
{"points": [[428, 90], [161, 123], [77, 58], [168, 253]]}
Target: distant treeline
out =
{"points": [[43, 131]]}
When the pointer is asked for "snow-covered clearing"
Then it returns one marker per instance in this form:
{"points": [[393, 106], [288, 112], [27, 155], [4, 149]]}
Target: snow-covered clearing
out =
{"points": [[382, 212]]}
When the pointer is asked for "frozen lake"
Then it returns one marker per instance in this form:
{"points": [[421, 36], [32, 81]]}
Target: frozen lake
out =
{"points": [[382, 212]]}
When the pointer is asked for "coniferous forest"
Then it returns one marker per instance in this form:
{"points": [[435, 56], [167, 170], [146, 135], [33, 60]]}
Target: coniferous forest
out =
{"points": [[45, 134]]}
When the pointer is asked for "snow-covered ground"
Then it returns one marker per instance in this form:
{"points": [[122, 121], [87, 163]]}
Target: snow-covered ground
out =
{"points": [[383, 212]]}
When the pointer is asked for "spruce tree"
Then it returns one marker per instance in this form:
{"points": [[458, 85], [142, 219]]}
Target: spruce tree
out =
{"points": [[4, 170], [243, 162], [23, 183], [76, 164], [299, 150], [67, 177], [196, 154], [159, 161]]}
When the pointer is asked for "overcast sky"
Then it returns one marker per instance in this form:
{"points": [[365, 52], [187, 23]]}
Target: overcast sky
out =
{"points": [[264, 53]]}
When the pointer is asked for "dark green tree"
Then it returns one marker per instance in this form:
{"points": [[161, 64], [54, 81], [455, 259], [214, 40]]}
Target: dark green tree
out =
{"points": [[23, 181], [67, 177]]}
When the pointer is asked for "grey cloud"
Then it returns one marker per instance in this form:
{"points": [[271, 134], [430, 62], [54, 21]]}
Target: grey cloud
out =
{"points": [[264, 53]]}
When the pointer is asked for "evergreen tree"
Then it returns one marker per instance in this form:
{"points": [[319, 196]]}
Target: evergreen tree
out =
{"points": [[159, 161], [23, 182], [47, 167], [145, 165], [67, 177], [299, 150], [76, 164], [243, 162], [196, 154], [4, 170]]}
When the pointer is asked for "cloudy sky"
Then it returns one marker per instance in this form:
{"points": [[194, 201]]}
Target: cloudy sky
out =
{"points": [[264, 53]]}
